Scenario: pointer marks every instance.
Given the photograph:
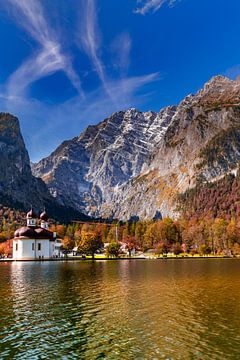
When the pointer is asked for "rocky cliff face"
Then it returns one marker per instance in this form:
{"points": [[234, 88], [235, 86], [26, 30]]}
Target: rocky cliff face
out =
{"points": [[18, 187], [135, 164], [88, 171], [16, 181]]}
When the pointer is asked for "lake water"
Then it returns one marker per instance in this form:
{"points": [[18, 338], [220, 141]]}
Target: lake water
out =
{"points": [[138, 309]]}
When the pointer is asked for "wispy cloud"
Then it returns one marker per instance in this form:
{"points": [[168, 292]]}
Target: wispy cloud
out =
{"points": [[90, 37], [116, 92], [46, 60], [90, 40], [131, 92], [121, 48], [146, 6]]}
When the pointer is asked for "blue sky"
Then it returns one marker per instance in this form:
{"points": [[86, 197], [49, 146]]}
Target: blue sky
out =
{"points": [[67, 64]]}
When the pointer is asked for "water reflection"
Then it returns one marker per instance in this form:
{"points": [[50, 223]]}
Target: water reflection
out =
{"points": [[186, 309]]}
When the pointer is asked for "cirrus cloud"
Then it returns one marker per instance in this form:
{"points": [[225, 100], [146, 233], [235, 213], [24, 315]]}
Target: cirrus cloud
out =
{"points": [[146, 6], [48, 59]]}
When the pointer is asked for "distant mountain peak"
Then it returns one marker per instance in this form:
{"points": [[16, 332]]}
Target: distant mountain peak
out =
{"points": [[135, 163]]}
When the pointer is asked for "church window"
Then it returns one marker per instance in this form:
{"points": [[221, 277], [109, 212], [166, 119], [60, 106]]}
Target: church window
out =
{"points": [[32, 246], [39, 247]]}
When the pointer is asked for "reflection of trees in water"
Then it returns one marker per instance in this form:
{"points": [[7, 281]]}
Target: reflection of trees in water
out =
{"points": [[34, 309], [173, 308], [7, 322], [79, 293], [214, 309], [48, 308]]}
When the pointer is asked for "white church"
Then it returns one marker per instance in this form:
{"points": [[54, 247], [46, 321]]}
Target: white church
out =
{"points": [[35, 242]]}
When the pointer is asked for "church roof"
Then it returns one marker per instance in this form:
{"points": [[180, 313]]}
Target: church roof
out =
{"points": [[33, 233], [43, 233], [31, 214], [44, 216], [25, 232]]}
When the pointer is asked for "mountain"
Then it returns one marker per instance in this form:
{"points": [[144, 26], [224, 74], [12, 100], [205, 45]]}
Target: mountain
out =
{"points": [[136, 163], [18, 187], [88, 171]]}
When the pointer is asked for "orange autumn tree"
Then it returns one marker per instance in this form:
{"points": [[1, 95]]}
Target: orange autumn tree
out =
{"points": [[6, 248]]}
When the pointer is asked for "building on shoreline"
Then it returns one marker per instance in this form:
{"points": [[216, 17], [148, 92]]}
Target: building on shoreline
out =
{"points": [[35, 242]]}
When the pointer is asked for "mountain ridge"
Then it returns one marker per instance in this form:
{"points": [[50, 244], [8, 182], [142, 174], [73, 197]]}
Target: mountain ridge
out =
{"points": [[134, 158]]}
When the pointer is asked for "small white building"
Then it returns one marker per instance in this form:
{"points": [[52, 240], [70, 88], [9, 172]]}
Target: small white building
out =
{"points": [[35, 242]]}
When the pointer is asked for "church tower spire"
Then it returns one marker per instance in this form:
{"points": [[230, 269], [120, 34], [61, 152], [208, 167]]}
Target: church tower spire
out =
{"points": [[31, 218], [44, 219]]}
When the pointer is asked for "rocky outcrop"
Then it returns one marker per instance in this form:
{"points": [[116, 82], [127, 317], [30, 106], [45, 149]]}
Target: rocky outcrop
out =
{"points": [[201, 144], [135, 164], [88, 171], [18, 187]]}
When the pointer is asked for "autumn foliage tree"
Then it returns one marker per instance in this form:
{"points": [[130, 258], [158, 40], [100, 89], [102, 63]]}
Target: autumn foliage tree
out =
{"points": [[67, 244], [6, 248], [89, 243]]}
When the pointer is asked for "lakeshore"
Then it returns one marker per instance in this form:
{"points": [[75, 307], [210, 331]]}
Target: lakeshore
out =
{"points": [[104, 258]]}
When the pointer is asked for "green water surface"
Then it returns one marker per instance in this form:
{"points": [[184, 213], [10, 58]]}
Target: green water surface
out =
{"points": [[138, 309]]}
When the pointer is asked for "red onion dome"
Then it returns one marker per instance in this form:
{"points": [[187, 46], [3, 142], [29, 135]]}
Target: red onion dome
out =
{"points": [[25, 232], [31, 214], [44, 216]]}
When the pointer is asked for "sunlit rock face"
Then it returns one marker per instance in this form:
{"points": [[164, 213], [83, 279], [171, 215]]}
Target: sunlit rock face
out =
{"points": [[135, 163], [88, 172]]}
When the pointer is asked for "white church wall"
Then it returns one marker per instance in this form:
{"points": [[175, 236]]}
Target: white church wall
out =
{"points": [[42, 249], [24, 250], [28, 249], [51, 248], [15, 251]]}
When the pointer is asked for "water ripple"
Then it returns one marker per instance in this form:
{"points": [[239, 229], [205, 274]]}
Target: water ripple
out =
{"points": [[120, 310]]}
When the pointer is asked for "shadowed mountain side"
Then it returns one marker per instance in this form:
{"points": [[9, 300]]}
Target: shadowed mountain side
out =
{"points": [[18, 187]]}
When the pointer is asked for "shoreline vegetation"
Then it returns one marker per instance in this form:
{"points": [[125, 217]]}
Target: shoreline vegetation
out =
{"points": [[186, 237]]}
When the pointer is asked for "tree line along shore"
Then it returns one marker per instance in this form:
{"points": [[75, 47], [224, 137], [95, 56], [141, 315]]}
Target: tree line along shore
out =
{"points": [[197, 236]]}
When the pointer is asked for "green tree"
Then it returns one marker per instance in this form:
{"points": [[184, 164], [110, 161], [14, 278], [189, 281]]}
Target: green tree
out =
{"points": [[168, 230], [113, 249]]}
